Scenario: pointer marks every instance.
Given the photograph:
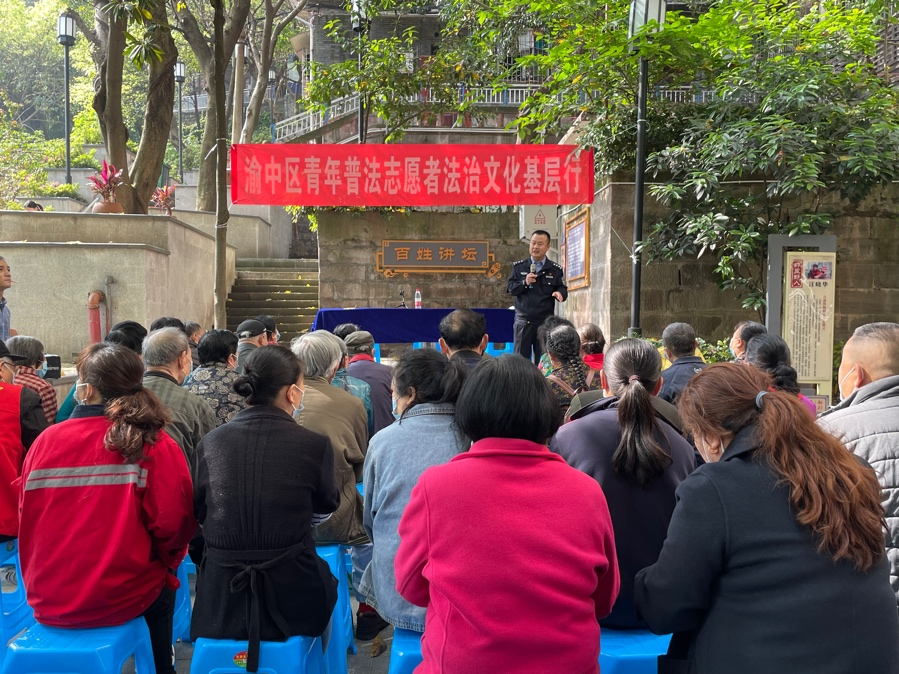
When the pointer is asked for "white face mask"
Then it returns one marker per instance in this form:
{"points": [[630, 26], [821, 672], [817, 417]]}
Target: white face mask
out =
{"points": [[297, 410], [840, 384]]}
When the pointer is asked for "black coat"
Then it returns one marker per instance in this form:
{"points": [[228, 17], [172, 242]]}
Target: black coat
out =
{"points": [[380, 378], [640, 515], [257, 482], [743, 585], [676, 377], [536, 303]]}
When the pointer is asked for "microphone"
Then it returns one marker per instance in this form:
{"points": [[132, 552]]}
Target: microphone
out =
{"points": [[533, 271]]}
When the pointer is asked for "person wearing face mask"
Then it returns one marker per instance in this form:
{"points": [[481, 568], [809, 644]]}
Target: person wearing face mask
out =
{"points": [[213, 380], [425, 388], [774, 557], [168, 363], [261, 483], [867, 418], [31, 371]]}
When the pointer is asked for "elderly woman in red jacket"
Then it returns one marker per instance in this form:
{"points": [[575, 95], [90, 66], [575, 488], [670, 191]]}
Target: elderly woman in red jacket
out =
{"points": [[517, 545]]}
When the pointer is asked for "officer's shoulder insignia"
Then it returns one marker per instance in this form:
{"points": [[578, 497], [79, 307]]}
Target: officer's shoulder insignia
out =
{"points": [[521, 261], [555, 264]]}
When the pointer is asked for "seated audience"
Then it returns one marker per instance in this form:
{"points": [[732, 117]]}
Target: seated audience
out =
{"points": [[593, 342], [213, 380], [360, 347], [344, 330], [168, 363], [261, 483], [356, 387], [679, 344], [636, 457], [425, 388], [168, 322], [194, 332], [32, 205], [509, 549], [570, 374], [771, 354], [30, 372], [129, 334], [250, 335], [743, 332], [550, 322], [339, 416], [271, 328], [106, 507], [774, 559], [867, 417], [463, 337]]}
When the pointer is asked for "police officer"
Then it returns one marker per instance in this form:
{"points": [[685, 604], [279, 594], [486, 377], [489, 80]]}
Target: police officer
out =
{"points": [[537, 283]]}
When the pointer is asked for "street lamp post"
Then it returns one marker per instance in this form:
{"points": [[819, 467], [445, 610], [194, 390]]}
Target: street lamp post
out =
{"points": [[180, 72], [642, 12], [360, 26], [65, 35], [271, 100]]}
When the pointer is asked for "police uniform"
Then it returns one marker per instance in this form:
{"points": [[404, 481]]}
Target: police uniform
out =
{"points": [[533, 305]]}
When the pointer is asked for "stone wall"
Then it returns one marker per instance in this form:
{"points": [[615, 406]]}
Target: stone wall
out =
{"points": [[347, 244], [684, 290], [249, 234], [158, 265]]}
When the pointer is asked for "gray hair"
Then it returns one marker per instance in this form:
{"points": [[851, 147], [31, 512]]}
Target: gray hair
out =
{"points": [[28, 347], [883, 332], [164, 346], [679, 339], [320, 353]]}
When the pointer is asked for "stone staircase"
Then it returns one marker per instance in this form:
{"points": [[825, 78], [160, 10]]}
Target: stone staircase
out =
{"points": [[285, 289]]}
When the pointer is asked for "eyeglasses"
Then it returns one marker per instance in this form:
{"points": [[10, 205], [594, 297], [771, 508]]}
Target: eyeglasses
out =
{"points": [[12, 368]]}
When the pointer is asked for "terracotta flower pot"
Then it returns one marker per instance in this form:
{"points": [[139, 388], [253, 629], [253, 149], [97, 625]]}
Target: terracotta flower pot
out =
{"points": [[107, 207]]}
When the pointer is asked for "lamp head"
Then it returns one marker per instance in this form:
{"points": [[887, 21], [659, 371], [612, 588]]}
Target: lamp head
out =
{"points": [[65, 30], [644, 11], [180, 71]]}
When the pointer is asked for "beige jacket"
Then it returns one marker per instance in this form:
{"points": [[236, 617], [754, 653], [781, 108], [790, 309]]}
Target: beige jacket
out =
{"points": [[341, 417]]}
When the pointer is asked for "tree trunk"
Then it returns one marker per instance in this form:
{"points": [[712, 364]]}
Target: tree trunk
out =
{"points": [[206, 179], [221, 211], [157, 117]]}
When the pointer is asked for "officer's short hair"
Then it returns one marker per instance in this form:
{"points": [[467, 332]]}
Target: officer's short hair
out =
{"points": [[542, 232]]}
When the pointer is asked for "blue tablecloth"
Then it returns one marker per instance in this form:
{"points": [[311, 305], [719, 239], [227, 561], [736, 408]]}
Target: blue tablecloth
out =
{"points": [[402, 326]]}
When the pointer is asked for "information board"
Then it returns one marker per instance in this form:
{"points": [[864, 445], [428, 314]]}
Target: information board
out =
{"points": [[809, 315], [577, 250]]}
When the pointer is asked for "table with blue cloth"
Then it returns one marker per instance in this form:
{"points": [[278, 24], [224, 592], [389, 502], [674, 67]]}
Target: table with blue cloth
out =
{"points": [[406, 326]]}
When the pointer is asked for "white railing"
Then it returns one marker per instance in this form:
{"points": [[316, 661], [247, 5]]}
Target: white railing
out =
{"points": [[305, 122]]}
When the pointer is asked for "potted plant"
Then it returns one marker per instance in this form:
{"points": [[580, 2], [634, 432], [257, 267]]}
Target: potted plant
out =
{"points": [[164, 199], [105, 184]]}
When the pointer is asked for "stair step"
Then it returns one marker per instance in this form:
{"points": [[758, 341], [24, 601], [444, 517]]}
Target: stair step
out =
{"points": [[282, 291], [285, 315], [279, 299], [299, 263], [277, 275]]}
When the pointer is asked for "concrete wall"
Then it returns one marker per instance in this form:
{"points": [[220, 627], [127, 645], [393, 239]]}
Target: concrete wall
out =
{"points": [[79, 177], [281, 233], [348, 243], [159, 267], [250, 235], [685, 290]]}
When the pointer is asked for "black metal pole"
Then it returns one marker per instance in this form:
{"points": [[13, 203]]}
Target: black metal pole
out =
{"points": [[180, 138], [639, 188], [361, 104], [271, 111], [68, 124]]}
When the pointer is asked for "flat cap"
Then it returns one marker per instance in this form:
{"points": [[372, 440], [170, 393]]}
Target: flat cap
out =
{"points": [[357, 341], [250, 328]]}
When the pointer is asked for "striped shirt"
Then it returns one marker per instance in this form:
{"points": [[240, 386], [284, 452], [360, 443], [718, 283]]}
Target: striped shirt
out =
{"points": [[27, 377]]}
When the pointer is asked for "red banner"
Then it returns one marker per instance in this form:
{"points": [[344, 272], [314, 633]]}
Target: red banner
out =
{"points": [[410, 175]]}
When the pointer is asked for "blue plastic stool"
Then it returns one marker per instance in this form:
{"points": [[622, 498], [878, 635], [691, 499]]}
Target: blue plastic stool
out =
{"points": [[509, 347], [98, 650], [376, 353], [342, 617], [631, 651], [181, 620], [405, 652], [15, 613], [297, 655]]}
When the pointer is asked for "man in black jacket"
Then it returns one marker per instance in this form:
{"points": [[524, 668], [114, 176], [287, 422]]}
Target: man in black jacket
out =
{"points": [[679, 341], [536, 283]]}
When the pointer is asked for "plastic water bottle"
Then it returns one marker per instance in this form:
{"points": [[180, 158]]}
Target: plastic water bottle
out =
{"points": [[417, 298]]}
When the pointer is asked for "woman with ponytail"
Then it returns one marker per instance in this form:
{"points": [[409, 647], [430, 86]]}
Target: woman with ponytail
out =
{"points": [[638, 459], [425, 388], [570, 374], [105, 508], [771, 354], [261, 484], [774, 560]]}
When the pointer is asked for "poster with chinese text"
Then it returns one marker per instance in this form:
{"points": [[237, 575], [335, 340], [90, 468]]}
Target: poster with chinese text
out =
{"points": [[809, 314]]}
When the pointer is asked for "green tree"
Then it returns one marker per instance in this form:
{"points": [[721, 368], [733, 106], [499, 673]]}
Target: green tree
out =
{"points": [[797, 108]]}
